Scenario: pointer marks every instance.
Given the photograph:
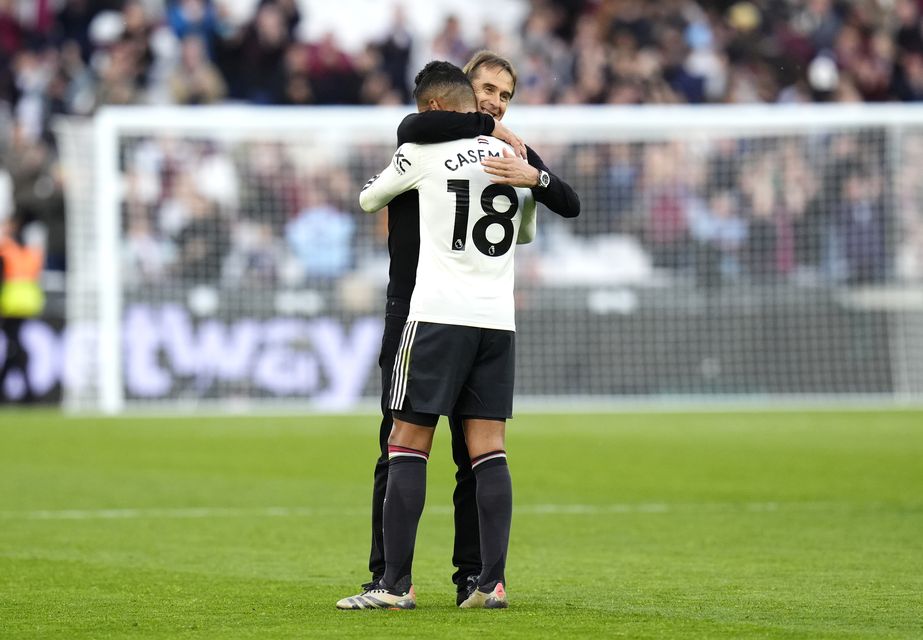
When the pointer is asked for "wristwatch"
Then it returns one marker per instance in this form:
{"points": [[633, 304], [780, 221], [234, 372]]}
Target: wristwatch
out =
{"points": [[543, 179]]}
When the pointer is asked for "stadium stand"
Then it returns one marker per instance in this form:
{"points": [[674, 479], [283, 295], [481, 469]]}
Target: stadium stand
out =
{"points": [[74, 56], [843, 208]]}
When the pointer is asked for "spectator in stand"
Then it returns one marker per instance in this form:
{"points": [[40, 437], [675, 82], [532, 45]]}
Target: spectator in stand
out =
{"points": [[590, 64], [631, 15], [77, 80], [11, 35], [32, 72], [137, 34], [861, 223], [535, 84], [449, 44], [195, 80], [841, 155], [765, 224], [118, 81], [144, 254], [621, 184], [297, 84], [395, 51], [38, 195], [664, 200], [196, 18], [548, 63], [270, 187], [321, 236], [909, 82], [334, 78], [291, 15], [204, 239], [21, 297], [673, 51], [255, 258], [799, 187], [256, 61], [718, 233], [72, 24], [909, 35]]}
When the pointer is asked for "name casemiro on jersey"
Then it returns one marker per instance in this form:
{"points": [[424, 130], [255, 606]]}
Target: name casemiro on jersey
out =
{"points": [[475, 156], [401, 163]]}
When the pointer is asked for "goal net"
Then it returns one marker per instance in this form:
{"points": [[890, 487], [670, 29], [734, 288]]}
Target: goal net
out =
{"points": [[218, 256]]}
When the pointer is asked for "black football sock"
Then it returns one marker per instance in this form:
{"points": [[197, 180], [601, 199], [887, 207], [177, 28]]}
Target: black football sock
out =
{"points": [[495, 513], [404, 500]]}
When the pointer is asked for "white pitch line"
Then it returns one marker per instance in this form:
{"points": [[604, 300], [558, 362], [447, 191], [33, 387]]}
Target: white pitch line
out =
{"points": [[529, 509], [174, 513]]}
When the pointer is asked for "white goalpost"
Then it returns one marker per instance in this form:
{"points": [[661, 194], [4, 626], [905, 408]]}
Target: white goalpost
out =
{"points": [[218, 257]]}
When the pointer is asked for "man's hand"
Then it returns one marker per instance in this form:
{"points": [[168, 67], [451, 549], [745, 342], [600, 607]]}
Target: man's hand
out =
{"points": [[510, 138], [511, 170]]}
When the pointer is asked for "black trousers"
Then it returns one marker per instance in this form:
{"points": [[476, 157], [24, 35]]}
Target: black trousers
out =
{"points": [[466, 555], [16, 355]]}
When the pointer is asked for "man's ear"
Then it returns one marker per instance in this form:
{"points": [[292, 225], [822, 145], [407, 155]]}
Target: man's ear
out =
{"points": [[433, 105]]}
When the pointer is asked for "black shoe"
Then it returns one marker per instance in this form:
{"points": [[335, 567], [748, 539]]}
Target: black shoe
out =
{"points": [[466, 587], [371, 584]]}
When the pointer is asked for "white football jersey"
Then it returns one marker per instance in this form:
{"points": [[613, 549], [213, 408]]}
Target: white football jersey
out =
{"points": [[469, 228]]}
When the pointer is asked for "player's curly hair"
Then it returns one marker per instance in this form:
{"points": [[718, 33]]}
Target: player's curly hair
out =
{"points": [[440, 79]]}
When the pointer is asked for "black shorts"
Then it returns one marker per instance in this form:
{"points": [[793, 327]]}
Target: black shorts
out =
{"points": [[445, 369]]}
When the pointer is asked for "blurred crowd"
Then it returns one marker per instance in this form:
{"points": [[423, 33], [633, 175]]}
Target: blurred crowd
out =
{"points": [[806, 209], [250, 214], [810, 209], [70, 56], [750, 208]]}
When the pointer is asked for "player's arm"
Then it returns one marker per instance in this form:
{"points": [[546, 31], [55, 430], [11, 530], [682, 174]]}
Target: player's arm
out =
{"points": [[429, 127], [528, 225], [401, 175], [557, 195]]}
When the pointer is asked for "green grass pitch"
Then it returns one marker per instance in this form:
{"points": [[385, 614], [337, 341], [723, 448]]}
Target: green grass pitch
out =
{"points": [[726, 525]]}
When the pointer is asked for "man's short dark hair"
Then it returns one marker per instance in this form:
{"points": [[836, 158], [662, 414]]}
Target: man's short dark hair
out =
{"points": [[445, 81]]}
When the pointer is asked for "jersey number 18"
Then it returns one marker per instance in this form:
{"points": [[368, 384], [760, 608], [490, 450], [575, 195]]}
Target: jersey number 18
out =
{"points": [[461, 189]]}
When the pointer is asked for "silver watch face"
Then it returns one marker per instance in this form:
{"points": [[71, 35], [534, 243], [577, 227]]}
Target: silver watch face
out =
{"points": [[544, 179]]}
